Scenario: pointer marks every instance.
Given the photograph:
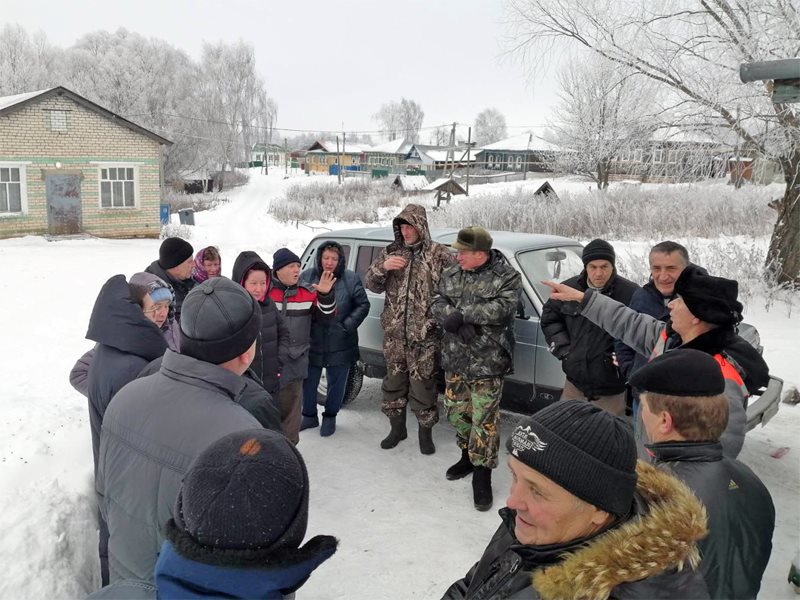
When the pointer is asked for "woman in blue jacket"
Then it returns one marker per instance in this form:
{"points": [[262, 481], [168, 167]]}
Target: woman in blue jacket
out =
{"points": [[334, 344]]}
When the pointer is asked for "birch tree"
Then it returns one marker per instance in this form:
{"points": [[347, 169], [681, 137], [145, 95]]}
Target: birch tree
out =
{"points": [[490, 126], [692, 49]]}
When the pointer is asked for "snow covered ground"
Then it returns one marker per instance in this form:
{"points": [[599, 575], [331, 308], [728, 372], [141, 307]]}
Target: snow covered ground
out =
{"points": [[405, 531]]}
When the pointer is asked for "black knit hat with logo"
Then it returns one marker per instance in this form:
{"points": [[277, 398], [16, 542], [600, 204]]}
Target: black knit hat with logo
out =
{"points": [[710, 299], [220, 320], [584, 449], [598, 250], [244, 498], [174, 251]]}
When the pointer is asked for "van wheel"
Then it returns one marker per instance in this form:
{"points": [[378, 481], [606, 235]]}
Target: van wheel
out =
{"points": [[355, 379]]}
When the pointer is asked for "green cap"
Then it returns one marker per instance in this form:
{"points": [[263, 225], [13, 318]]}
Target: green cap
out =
{"points": [[473, 238]]}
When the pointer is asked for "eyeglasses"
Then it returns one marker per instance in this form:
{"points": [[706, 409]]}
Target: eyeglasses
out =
{"points": [[155, 308]]}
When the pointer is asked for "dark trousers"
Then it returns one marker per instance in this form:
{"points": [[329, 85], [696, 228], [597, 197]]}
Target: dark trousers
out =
{"points": [[337, 383], [290, 397]]}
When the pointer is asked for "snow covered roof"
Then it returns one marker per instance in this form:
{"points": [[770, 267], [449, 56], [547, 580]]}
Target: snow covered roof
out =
{"points": [[7, 101], [410, 182], [445, 184], [400, 146], [330, 147], [459, 155], [523, 141], [9, 104]]}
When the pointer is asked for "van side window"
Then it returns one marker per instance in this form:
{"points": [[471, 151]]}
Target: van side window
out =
{"points": [[366, 254]]}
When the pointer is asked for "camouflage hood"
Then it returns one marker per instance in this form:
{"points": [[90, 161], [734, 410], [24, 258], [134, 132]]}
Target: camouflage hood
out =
{"points": [[416, 216]]}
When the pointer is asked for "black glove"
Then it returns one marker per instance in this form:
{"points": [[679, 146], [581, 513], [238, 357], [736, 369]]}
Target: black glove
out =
{"points": [[467, 332], [453, 321]]}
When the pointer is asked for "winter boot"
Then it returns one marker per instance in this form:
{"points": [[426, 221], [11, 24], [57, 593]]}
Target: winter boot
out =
{"points": [[309, 422], [482, 488], [426, 440], [398, 432], [461, 469], [328, 425]]}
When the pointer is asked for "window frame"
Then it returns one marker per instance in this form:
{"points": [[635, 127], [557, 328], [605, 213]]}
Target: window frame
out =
{"points": [[136, 192], [23, 189]]}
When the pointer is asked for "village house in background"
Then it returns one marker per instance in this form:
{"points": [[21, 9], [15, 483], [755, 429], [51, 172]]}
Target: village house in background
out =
{"points": [[69, 166], [273, 154], [322, 157], [519, 153]]}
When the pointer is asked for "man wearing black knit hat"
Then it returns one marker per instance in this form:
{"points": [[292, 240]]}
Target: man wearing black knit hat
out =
{"points": [[579, 521], [239, 522], [684, 411], [174, 266], [702, 317], [156, 425], [586, 351]]}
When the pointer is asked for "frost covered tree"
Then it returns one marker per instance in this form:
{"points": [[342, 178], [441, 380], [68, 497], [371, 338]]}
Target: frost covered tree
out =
{"points": [[403, 119], [26, 62], [604, 111], [692, 49], [490, 126]]}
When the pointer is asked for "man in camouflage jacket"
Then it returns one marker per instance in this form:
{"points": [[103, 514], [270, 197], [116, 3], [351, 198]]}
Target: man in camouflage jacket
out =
{"points": [[476, 304], [408, 271]]}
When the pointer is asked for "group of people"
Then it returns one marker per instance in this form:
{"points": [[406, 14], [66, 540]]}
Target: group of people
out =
{"points": [[199, 385]]}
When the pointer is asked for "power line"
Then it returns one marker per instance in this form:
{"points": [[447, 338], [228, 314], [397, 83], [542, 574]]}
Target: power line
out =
{"points": [[293, 130]]}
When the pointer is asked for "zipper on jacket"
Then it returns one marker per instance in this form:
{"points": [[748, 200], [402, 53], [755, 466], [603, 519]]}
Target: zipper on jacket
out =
{"points": [[408, 293]]}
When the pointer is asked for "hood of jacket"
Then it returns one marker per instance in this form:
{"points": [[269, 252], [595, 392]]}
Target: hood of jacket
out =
{"points": [[119, 322], [661, 537], [246, 262], [724, 340], [339, 270], [416, 216]]}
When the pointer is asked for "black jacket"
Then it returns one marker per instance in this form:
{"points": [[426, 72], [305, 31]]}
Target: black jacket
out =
{"points": [[649, 554], [647, 300], [180, 288], [335, 343], [272, 344], [741, 516], [584, 349], [126, 342]]}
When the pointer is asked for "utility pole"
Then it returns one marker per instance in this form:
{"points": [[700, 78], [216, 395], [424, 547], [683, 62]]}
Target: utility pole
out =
{"points": [[339, 159], [285, 157], [527, 158], [469, 147]]}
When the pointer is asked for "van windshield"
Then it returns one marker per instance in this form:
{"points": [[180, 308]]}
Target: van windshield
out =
{"points": [[554, 264]]}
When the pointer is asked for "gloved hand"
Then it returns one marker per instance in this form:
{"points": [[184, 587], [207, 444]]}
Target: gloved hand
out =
{"points": [[453, 322], [467, 332]]}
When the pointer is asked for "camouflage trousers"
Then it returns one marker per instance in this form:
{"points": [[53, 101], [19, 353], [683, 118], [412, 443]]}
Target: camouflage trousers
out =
{"points": [[473, 408], [410, 381]]}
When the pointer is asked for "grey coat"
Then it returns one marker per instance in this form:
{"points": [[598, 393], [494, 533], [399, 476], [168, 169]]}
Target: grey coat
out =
{"points": [[646, 335], [153, 429]]}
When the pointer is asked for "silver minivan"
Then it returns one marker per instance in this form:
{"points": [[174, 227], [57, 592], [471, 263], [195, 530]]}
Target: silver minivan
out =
{"points": [[537, 379]]}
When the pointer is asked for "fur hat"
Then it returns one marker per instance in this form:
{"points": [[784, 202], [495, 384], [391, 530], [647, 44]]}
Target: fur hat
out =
{"points": [[710, 299], [586, 450], [173, 251], [283, 257], [598, 250], [220, 320], [246, 493], [681, 372], [473, 238]]}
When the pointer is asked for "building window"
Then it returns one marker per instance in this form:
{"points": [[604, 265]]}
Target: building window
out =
{"points": [[11, 190], [117, 187], [658, 155], [58, 120], [519, 162]]}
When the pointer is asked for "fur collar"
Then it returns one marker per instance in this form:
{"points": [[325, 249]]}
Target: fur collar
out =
{"points": [[661, 537]]}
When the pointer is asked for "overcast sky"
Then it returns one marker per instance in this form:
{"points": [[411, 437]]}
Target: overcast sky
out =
{"points": [[335, 61]]}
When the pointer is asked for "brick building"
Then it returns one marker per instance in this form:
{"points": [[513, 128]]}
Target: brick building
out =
{"points": [[68, 165]]}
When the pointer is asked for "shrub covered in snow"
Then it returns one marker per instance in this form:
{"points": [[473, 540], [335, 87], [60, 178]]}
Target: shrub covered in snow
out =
{"points": [[352, 201]]}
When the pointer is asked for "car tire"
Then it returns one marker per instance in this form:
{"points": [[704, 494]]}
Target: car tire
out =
{"points": [[355, 379]]}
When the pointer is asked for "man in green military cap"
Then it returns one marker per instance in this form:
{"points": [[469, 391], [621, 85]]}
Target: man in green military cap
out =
{"points": [[476, 303]]}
